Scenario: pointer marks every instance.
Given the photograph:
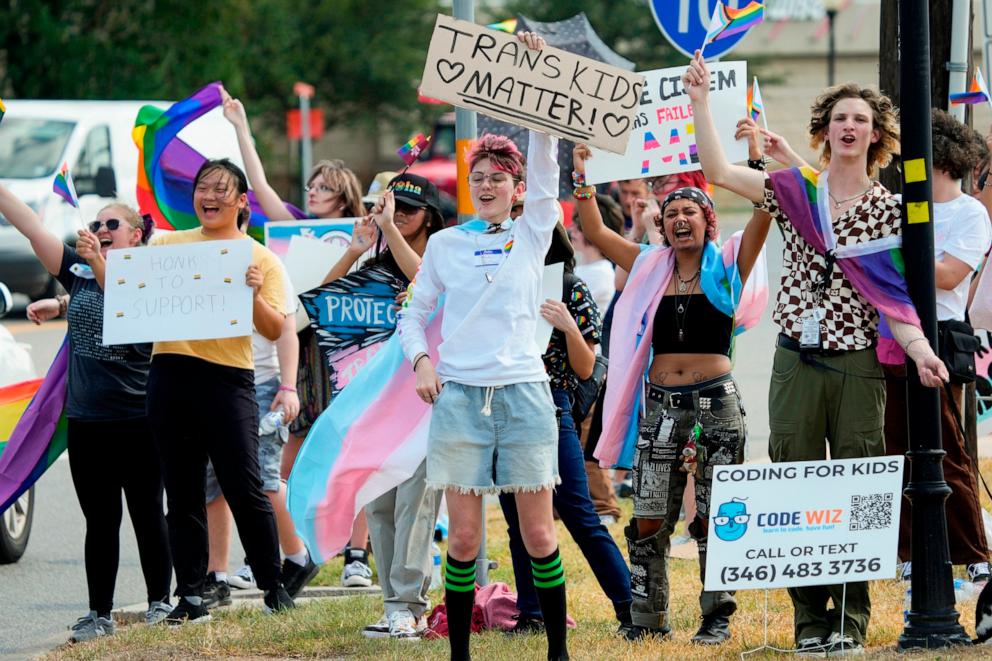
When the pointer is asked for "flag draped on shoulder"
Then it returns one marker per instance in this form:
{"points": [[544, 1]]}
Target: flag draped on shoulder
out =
{"points": [[32, 428], [167, 165]]}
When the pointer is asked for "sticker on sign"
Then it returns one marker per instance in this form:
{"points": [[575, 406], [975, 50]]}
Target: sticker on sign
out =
{"points": [[803, 523], [550, 90]]}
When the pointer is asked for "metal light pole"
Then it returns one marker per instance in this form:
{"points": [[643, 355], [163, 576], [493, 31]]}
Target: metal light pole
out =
{"points": [[831, 7], [932, 621], [305, 92], [465, 132]]}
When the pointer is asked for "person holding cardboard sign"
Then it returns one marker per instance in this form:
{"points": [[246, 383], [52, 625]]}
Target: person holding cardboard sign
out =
{"points": [[109, 444], [690, 297], [838, 277], [201, 403], [493, 424]]}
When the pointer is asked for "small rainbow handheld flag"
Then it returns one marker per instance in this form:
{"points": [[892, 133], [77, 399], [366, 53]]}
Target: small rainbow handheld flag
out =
{"points": [[977, 92], [755, 106], [411, 151], [509, 25], [62, 186], [727, 22]]}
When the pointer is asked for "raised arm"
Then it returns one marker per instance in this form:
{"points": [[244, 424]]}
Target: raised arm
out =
{"points": [[756, 230], [272, 204], [47, 247], [541, 209], [719, 171], [362, 237], [617, 249], [406, 257]]}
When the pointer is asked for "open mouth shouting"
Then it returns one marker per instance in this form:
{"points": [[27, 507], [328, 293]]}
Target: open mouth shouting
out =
{"points": [[209, 210], [682, 230]]}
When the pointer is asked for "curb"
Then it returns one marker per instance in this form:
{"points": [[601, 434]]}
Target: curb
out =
{"points": [[135, 613]]}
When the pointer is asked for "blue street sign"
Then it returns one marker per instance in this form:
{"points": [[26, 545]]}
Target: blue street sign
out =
{"points": [[685, 22]]}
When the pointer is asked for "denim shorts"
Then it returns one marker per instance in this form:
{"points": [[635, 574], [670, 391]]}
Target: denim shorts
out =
{"points": [[493, 439], [269, 446]]}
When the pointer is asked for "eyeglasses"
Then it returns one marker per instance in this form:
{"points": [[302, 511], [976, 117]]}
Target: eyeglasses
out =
{"points": [[111, 224], [495, 179], [320, 188], [724, 520]]}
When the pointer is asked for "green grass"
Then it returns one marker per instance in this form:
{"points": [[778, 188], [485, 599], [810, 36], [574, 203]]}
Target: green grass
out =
{"points": [[331, 628]]}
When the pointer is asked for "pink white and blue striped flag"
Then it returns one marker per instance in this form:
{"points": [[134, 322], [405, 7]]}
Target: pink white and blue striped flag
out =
{"points": [[371, 438]]}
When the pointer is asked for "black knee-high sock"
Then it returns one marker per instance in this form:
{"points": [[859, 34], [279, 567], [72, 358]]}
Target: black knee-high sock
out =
{"points": [[459, 598], [549, 580]]}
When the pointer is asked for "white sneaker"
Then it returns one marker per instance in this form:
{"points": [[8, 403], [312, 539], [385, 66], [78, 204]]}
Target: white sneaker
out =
{"points": [[845, 645], [242, 579], [811, 648], [979, 573], [378, 630], [404, 626], [356, 574]]}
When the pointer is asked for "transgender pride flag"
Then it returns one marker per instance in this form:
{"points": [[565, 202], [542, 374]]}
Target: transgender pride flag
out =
{"points": [[370, 439]]}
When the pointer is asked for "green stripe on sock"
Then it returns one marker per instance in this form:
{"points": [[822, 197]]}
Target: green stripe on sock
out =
{"points": [[548, 574], [460, 579], [460, 571], [554, 563], [459, 588], [550, 584]]}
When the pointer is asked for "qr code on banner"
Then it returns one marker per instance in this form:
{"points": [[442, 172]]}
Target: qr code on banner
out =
{"points": [[871, 511]]}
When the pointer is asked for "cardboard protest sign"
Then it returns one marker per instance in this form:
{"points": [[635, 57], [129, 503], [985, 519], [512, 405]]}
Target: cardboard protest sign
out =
{"points": [[551, 90], [803, 523], [663, 140], [352, 317], [190, 291]]}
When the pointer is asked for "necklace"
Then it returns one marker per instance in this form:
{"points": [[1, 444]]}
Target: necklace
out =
{"points": [[685, 288], [839, 203], [683, 285]]}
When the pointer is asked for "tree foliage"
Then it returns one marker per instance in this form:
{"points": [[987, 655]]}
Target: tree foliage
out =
{"points": [[626, 26]]}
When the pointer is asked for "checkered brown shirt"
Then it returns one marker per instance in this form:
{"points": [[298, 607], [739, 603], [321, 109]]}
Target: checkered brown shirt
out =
{"points": [[851, 323]]}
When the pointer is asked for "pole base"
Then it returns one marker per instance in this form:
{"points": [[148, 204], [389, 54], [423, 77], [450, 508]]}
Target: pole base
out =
{"points": [[932, 630]]}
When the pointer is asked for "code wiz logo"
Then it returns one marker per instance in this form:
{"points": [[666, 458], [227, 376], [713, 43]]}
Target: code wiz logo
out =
{"points": [[799, 521]]}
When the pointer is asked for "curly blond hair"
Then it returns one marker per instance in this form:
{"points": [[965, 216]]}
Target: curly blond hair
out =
{"points": [[884, 119]]}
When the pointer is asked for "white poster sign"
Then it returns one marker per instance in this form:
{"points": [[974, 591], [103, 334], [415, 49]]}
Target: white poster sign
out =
{"points": [[551, 287], [803, 523], [309, 260], [189, 291], [663, 140]]}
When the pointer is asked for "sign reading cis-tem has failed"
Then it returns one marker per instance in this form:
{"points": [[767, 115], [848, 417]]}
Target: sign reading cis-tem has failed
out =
{"points": [[803, 523]]}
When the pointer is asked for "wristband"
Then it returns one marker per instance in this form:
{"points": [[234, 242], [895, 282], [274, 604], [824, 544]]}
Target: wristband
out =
{"points": [[418, 359], [910, 343], [578, 179], [63, 304], [584, 192], [287, 389], [756, 163]]}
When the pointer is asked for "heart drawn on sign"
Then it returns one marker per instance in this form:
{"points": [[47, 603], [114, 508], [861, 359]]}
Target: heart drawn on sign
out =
{"points": [[615, 124], [449, 71]]}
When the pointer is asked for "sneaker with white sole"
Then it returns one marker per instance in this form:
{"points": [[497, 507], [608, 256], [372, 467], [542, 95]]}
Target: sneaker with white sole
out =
{"points": [[242, 579], [404, 626], [811, 648], [157, 612], [378, 630], [357, 573], [838, 645], [188, 612], [92, 626], [979, 573]]}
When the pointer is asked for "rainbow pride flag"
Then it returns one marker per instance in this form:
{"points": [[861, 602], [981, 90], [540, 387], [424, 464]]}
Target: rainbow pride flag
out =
{"points": [[755, 106], [62, 186], [509, 25], [412, 150], [977, 92], [32, 428], [875, 268], [167, 165], [371, 438], [727, 22]]}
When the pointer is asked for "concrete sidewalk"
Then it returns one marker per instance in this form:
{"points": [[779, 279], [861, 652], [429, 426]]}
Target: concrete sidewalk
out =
{"points": [[135, 613]]}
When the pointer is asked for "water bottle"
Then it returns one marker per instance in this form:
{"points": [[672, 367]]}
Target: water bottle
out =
{"points": [[271, 423], [435, 566], [964, 590]]}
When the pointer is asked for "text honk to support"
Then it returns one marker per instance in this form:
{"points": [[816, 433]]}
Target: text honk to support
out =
{"points": [[550, 90], [188, 291]]}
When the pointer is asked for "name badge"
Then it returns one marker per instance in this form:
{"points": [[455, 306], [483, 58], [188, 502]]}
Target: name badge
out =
{"points": [[490, 257], [810, 335]]}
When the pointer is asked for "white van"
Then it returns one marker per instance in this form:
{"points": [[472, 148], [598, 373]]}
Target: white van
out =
{"points": [[94, 138]]}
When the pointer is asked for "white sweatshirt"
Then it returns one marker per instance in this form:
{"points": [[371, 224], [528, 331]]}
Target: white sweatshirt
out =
{"points": [[492, 295]]}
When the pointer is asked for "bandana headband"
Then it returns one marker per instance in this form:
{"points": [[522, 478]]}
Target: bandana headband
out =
{"points": [[688, 193]]}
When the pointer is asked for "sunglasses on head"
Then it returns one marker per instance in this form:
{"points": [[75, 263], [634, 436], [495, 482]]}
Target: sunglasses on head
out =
{"points": [[111, 224]]}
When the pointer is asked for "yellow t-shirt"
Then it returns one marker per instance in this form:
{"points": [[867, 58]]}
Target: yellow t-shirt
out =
{"points": [[230, 351]]}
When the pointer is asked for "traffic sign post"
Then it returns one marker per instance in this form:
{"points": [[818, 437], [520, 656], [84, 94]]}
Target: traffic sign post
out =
{"points": [[685, 22]]}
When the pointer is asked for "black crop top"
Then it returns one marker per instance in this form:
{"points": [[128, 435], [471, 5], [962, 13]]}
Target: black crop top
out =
{"points": [[704, 328]]}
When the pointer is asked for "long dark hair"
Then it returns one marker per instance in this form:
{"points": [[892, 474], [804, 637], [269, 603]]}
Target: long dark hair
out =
{"points": [[237, 174]]}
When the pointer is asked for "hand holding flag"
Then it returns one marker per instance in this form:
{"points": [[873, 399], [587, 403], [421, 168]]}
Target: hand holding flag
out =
{"points": [[727, 22], [62, 186]]}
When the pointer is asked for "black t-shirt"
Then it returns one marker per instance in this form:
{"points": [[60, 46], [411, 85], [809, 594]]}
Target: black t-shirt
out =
{"points": [[105, 382]]}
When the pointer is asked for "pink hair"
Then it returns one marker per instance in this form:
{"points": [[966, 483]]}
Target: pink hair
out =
{"points": [[501, 152]]}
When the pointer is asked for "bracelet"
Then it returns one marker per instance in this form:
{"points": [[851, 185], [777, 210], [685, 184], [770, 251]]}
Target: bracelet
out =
{"points": [[578, 179], [287, 389], [63, 304], [584, 192], [756, 163], [910, 343], [418, 359]]}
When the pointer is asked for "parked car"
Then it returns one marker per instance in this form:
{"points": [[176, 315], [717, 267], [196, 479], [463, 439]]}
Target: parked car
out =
{"points": [[15, 367]]}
